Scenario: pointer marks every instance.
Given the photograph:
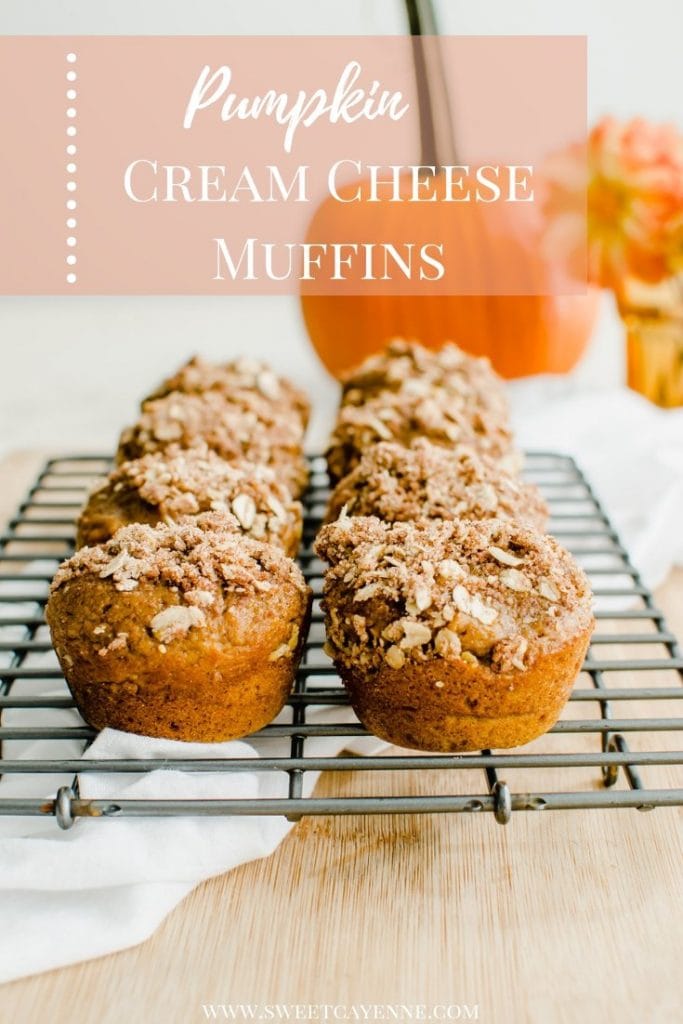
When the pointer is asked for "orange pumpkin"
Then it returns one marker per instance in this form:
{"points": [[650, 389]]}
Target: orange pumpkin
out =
{"points": [[521, 334]]}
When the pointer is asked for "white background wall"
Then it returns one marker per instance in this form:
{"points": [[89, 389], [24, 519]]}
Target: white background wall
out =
{"points": [[72, 368]]}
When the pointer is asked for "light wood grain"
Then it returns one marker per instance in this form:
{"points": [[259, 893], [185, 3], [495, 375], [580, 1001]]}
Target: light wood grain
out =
{"points": [[559, 917]]}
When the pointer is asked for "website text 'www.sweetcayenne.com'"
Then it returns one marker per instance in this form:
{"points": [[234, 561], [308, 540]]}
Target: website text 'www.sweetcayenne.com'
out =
{"points": [[340, 1012]]}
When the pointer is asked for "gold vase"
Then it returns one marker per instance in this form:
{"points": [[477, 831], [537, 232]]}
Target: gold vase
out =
{"points": [[653, 317]]}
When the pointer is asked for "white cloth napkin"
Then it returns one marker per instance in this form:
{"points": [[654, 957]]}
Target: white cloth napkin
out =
{"points": [[630, 451], [106, 885]]}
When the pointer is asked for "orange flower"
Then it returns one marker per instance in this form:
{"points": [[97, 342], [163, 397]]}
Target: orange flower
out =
{"points": [[675, 245], [625, 190]]}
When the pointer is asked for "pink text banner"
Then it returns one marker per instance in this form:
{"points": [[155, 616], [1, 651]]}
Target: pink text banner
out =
{"points": [[273, 165]]}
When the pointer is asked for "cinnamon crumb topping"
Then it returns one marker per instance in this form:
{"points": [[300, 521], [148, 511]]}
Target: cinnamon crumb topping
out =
{"points": [[243, 374], [407, 368], [403, 418], [201, 559], [427, 481], [381, 574], [185, 482], [241, 425]]}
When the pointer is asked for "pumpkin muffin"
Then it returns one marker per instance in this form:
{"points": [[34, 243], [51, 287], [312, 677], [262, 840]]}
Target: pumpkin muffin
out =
{"points": [[197, 376], [190, 631], [240, 426], [453, 636], [165, 486], [426, 481], [404, 417], [405, 367]]}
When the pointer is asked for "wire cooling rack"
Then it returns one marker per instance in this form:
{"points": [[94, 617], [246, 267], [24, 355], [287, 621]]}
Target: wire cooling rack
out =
{"points": [[615, 745]]}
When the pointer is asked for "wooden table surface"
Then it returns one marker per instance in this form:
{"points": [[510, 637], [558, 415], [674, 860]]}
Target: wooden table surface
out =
{"points": [[558, 917]]}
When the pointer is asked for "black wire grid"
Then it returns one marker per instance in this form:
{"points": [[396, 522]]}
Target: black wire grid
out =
{"points": [[613, 747]]}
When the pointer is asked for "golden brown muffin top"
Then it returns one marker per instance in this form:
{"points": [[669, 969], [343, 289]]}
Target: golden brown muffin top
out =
{"points": [[186, 481], [491, 591], [404, 417], [198, 375], [410, 368], [398, 483], [203, 558]]}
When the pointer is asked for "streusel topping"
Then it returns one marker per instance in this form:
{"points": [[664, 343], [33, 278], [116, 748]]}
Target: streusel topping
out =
{"points": [[243, 425], [404, 417], [198, 375], [185, 482], [409, 368], [426, 481], [490, 592], [203, 558]]}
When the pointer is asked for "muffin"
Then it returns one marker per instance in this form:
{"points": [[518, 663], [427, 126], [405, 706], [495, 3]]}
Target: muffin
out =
{"points": [[242, 426], [165, 486], [243, 374], [453, 636], [426, 481], [406, 367], [190, 631], [405, 417]]}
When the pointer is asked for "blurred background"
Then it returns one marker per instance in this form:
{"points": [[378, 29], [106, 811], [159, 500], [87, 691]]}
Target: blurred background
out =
{"points": [[74, 368]]}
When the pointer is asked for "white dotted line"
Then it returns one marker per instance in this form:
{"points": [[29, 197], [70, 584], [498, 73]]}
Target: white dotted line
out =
{"points": [[71, 168]]}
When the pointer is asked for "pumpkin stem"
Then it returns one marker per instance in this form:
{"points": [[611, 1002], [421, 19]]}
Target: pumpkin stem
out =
{"points": [[437, 139]]}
